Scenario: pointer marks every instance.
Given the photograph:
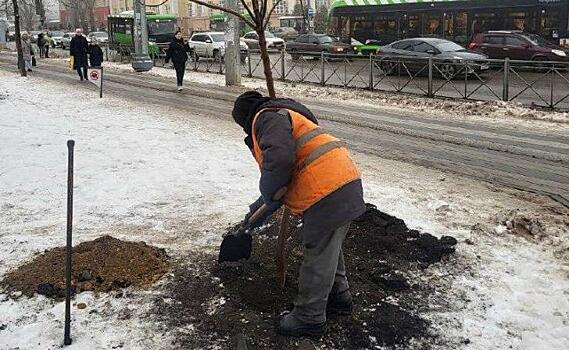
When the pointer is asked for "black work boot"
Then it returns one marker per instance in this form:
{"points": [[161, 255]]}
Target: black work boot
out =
{"points": [[293, 327], [340, 303]]}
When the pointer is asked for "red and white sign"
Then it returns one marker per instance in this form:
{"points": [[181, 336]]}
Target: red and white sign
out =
{"points": [[95, 76]]}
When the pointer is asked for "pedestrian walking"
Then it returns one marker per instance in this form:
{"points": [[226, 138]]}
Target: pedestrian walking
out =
{"points": [[323, 187], [40, 43], [95, 53], [78, 49], [47, 42], [27, 50], [178, 53]]}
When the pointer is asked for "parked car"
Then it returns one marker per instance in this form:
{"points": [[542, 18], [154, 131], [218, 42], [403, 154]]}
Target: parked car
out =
{"points": [[34, 35], [102, 37], [66, 40], [285, 33], [56, 37], [370, 47], [212, 45], [273, 43], [517, 45], [314, 44], [449, 57], [208, 45]]}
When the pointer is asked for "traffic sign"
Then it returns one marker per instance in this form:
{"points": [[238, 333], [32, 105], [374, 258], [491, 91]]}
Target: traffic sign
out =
{"points": [[310, 12]]}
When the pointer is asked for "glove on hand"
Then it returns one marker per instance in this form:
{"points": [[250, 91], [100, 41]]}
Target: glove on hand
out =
{"points": [[271, 208]]}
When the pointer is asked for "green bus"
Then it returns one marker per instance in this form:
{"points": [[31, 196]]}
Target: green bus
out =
{"points": [[161, 29]]}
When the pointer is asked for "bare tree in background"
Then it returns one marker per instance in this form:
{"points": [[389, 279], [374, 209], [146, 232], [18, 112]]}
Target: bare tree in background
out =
{"points": [[258, 14], [27, 9], [82, 13]]}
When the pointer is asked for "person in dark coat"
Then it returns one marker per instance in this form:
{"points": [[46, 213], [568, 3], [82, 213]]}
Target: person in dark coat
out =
{"points": [[323, 186], [178, 53], [40, 42], [95, 53], [78, 49]]}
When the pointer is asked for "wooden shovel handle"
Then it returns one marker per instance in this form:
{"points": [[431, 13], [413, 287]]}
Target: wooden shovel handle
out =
{"points": [[281, 248], [259, 212]]}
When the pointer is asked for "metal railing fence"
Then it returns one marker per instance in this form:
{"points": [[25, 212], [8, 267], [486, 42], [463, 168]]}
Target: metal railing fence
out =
{"points": [[533, 83]]}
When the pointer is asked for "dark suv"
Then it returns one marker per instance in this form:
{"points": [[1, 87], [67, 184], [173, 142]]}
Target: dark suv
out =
{"points": [[314, 44], [517, 45]]}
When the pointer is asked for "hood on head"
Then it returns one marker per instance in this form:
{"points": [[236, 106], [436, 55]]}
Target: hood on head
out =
{"points": [[251, 102], [245, 107]]}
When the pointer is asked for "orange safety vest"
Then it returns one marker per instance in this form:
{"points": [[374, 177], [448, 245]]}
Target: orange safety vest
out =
{"points": [[322, 164]]}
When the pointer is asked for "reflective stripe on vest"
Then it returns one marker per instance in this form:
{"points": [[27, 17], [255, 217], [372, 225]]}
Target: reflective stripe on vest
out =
{"points": [[322, 164]]}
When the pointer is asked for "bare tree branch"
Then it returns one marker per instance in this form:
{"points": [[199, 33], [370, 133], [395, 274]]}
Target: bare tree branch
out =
{"points": [[257, 22], [249, 11], [257, 18], [158, 5], [263, 9]]}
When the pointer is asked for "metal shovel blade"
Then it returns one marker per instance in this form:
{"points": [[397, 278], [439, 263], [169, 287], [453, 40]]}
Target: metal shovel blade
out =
{"points": [[235, 247]]}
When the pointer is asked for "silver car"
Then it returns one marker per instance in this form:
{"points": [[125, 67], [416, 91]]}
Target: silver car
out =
{"points": [[66, 40], [57, 37], [102, 37]]}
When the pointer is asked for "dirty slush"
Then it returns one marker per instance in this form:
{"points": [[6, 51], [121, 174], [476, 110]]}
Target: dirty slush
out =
{"points": [[207, 304]]}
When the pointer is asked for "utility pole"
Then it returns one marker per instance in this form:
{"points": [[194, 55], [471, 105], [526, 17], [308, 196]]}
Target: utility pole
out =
{"points": [[141, 60], [3, 27], [232, 47]]}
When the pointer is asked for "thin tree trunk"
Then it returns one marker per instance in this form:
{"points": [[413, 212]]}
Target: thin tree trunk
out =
{"points": [[266, 63], [21, 64]]}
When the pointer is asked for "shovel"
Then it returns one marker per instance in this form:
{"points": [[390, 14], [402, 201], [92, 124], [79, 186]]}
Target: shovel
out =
{"points": [[237, 245]]}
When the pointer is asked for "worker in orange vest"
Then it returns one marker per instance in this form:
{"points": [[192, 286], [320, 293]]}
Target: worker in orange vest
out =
{"points": [[323, 186]]}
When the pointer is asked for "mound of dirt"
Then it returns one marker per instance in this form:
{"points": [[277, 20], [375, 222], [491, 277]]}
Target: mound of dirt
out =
{"points": [[101, 265], [207, 305]]}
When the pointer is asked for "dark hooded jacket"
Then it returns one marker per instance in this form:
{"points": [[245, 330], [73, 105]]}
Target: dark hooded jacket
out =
{"points": [[274, 134], [177, 52], [95, 55], [78, 49]]}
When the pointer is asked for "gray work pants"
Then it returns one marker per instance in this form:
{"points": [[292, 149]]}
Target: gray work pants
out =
{"points": [[322, 271]]}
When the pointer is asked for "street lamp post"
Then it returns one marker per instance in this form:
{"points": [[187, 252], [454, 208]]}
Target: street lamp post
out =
{"points": [[141, 60]]}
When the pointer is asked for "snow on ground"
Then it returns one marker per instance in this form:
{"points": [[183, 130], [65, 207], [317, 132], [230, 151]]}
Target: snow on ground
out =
{"points": [[145, 173]]}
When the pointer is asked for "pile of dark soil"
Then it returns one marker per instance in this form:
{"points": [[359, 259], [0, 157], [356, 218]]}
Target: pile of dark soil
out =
{"points": [[221, 303], [101, 265]]}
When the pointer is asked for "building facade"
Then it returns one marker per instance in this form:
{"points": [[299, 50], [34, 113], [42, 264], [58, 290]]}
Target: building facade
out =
{"points": [[88, 15]]}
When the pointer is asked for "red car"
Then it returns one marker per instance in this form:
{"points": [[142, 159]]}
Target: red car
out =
{"points": [[517, 45]]}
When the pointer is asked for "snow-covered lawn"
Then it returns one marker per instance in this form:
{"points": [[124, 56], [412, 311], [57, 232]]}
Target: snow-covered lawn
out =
{"points": [[147, 173]]}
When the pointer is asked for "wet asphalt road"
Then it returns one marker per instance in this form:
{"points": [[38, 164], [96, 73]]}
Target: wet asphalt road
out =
{"points": [[528, 160], [526, 85]]}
